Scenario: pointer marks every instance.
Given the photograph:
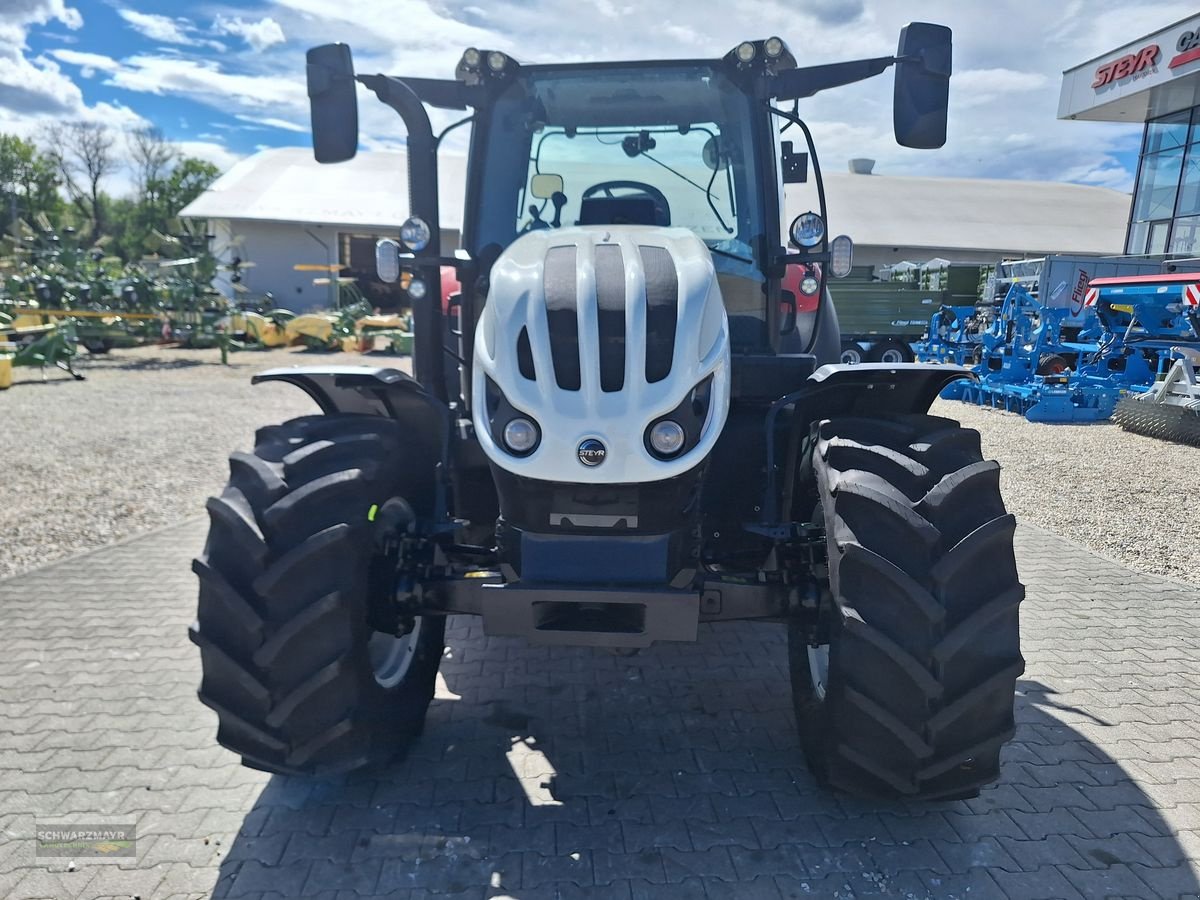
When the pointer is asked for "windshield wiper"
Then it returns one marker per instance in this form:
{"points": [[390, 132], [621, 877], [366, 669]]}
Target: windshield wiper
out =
{"points": [[720, 252], [707, 190]]}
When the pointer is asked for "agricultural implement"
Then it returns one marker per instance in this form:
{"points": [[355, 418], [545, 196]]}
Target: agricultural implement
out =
{"points": [[49, 275], [1023, 361], [1128, 335], [1171, 408], [622, 426], [1154, 322], [52, 345]]}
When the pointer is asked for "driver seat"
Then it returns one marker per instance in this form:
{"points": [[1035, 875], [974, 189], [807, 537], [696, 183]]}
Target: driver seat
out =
{"points": [[622, 211]]}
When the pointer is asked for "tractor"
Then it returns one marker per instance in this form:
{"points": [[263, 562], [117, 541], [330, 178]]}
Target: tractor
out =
{"points": [[620, 428]]}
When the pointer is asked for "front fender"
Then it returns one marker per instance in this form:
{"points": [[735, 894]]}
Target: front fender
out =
{"points": [[368, 390], [867, 388], [349, 389]]}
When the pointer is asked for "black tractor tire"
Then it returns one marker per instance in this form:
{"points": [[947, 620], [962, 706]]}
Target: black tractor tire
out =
{"points": [[285, 644], [923, 639], [890, 351]]}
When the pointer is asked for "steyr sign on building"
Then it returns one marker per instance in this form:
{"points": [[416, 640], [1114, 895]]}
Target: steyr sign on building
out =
{"points": [[1126, 66], [1144, 79]]}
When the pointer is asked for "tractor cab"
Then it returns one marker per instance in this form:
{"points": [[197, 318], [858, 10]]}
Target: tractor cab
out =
{"points": [[661, 145]]}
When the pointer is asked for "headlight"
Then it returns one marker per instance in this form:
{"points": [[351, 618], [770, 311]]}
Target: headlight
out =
{"points": [[415, 234], [809, 285], [745, 51], [417, 289], [773, 47], [497, 61], [807, 229], [521, 436], [471, 58], [666, 437]]}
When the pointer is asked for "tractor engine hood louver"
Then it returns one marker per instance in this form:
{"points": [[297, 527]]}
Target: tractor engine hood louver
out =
{"points": [[594, 335]]}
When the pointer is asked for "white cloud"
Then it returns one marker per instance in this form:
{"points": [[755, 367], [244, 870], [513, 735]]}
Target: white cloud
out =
{"points": [[282, 124], [982, 87], [207, 82], [35, 90], [40, 12], [88, 63], [259, 35], [167, 30], [212, 151], [158, 28]]}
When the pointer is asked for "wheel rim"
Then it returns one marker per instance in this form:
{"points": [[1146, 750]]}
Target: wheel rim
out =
{"points": [[391, 656], [818, 669], [891, 356]]}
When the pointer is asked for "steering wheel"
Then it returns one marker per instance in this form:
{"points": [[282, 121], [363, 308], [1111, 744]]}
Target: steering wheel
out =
{"points": [[662, 208]]}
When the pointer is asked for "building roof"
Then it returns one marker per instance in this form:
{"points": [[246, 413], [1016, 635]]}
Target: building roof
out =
{"points": [[286, 184], [1026, 217]]}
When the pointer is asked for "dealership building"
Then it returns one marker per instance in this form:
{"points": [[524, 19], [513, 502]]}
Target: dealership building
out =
{"points": [[1154, 80]]}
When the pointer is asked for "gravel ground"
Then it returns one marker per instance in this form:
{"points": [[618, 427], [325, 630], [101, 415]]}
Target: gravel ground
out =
{"points": [[144, 441], [138, 445], [1127, 497]]}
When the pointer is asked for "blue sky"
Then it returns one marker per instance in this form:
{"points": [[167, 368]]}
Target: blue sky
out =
{"points": [[224, 79], [150, 30]]}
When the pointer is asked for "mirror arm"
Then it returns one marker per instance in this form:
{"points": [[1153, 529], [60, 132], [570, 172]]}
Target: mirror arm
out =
{"points": [[439, 92], [789, 259], [422, 201], [422, 152], [796, 84]]}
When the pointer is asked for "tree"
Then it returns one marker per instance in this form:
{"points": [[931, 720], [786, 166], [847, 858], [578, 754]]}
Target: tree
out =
{"points": [[151, 157], [28, 182], [83, 155], [159, 203], [186, 182]]}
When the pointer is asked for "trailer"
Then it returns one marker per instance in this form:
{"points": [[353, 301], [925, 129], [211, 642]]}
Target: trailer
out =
{"points": [[883, 313]]}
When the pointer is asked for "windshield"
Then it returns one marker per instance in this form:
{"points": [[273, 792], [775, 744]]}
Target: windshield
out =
{"points": [[652, 145]]}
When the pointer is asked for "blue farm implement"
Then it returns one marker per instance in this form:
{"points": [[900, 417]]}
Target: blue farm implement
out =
{"points": [[1155, 321], [1023, 362], [1025, 365]]}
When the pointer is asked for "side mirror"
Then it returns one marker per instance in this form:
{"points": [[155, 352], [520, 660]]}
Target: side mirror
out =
{"points": [[922, 85], [544, 186], [332, 102]]}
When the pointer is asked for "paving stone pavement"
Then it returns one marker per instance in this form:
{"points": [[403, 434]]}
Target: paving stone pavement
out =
{"points": [[568, 773]]}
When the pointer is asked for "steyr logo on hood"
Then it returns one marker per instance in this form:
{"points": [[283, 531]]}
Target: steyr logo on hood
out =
{"points": [[591, 452]]}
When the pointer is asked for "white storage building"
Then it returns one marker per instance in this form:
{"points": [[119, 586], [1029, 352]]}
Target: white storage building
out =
{"points": [[280, 208]]}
